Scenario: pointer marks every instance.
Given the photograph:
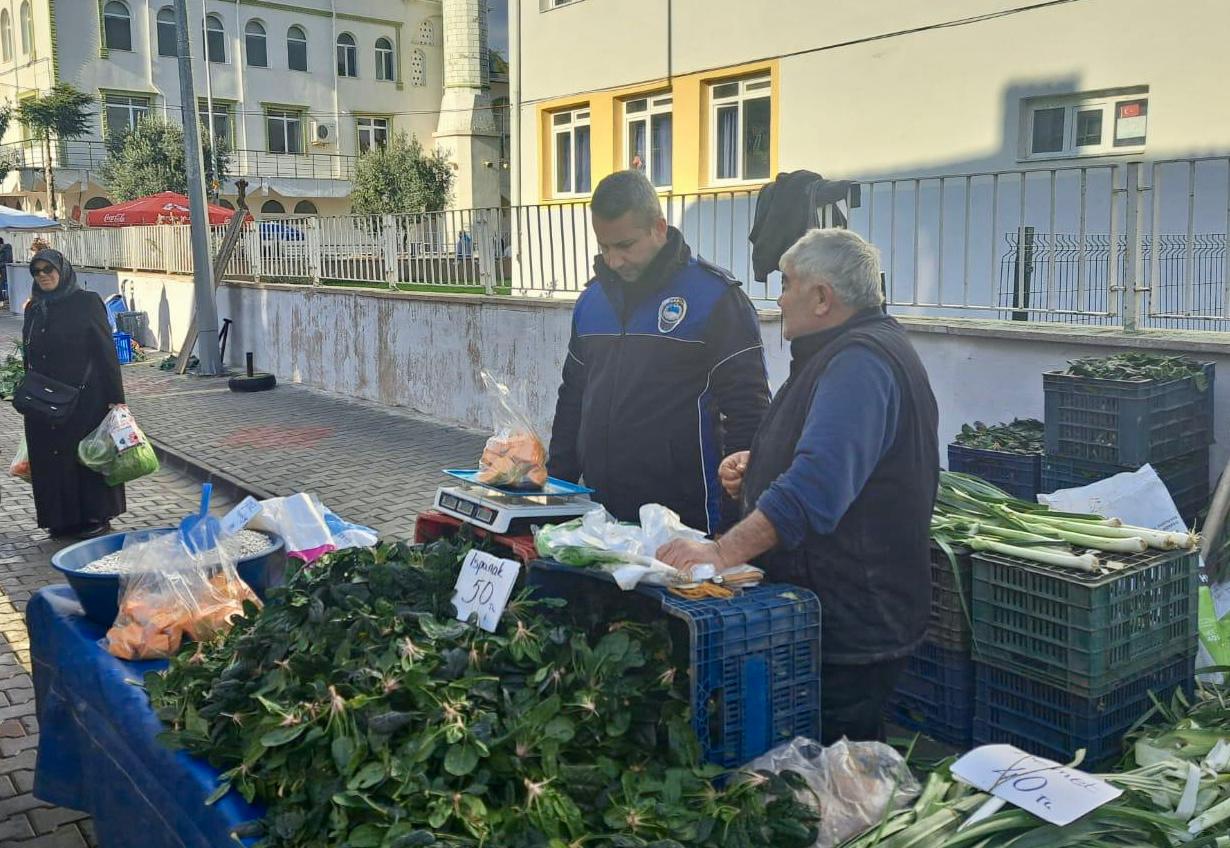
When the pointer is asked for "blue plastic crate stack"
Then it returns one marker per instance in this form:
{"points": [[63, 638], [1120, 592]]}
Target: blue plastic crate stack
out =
{"points": [[753, 661], [1068, 660], [935, 694], [1018, 474], [1096, 428]]}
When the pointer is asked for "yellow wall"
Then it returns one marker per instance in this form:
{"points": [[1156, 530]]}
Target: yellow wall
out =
{"points": [[690, 128]]}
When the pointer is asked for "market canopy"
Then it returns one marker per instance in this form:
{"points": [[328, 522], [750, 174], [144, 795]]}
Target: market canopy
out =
{"points": [[162, 208], [15, 219]]}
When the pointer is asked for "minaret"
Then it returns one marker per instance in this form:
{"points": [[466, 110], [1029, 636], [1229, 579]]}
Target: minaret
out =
{"points": [[467, 129]]}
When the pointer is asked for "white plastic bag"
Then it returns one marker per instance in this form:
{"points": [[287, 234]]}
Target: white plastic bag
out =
{"points": [[309, 529], [855, 783], [118, 449], [516, 455], [20, 466]]}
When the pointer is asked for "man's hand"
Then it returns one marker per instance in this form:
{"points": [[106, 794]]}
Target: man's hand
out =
{"points": [[730, 472], [684, 553]]}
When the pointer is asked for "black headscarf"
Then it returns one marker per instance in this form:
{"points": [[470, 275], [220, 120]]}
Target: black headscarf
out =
{"points": [[68, 277]]}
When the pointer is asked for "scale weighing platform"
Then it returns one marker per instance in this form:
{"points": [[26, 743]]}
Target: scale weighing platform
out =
{"points": [[504, 510]]}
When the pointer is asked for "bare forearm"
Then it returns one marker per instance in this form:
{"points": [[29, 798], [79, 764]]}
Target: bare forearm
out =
{"points": [[748, 539]]}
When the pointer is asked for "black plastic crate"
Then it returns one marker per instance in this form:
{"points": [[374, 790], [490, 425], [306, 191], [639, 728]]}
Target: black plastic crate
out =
{"points": [[1018, 474], [1127, 422], [1187, 478], [951, 599], [935, 695], [1053, 722], [753, 661], [1084, 631]]}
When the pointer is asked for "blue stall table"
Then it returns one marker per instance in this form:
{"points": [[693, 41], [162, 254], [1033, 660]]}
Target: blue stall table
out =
{"points": [[98, 748]]}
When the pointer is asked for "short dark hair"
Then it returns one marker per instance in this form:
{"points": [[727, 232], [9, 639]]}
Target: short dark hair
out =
{"points": [[623, 192]]}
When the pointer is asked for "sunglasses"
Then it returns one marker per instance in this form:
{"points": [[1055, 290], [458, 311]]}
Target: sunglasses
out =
{"points": [[42, 269]]}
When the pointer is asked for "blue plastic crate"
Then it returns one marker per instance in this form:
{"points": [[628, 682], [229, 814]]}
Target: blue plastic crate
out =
{"points": [[1186, 478], [935, 695], [1053, 722], [753, 661], [123, 347], [1018, 474]]}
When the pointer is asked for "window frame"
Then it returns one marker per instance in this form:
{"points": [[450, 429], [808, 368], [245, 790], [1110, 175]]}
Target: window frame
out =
{"points": [[315, 210], [220, 32], [25, 24], [579, 117], [159, 23], [660, 103], [222, 108], [418, 68], [371, 127], [127, 17], [347, 56], [1075, 105], [135, 110], [248, 35], [92, 204], [284, 114], [750, 88], [304, 41], [281, 206], [7, 53], [386, 65]]}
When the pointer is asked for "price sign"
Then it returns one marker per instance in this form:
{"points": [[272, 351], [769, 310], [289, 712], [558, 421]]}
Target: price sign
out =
{"points": [[125, 434], [238, 518], [484, 587], [1052, 792]]}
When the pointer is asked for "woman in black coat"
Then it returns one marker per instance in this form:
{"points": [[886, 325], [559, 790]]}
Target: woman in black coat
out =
{"points": [[67, 338]]}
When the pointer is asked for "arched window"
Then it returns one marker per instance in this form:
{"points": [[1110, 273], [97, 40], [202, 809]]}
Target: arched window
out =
{"points": [[27, 28], [384, 60], [418, 68], [296, 49], [305, 207], [38, 206], [273, 207], [225, 204], [168, 32], [99, 202], [347, 56], [6, 36], [427, 33], [117, 27], [256, 44], [215, 39]]}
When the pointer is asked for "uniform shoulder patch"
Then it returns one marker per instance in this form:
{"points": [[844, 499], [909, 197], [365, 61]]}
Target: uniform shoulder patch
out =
{"points": [[718, 271]]}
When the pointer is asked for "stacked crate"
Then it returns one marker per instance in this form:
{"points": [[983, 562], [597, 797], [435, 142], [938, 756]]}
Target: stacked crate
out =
{"points": [[935, 694], [1096, 428], [1018, 474], [1069, 660]]}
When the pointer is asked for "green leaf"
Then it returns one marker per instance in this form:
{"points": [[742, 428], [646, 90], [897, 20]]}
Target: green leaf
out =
{"points": [[461, 759], [282, 735], [342, 749], [366, 836], [368, 776], [560, 728]]}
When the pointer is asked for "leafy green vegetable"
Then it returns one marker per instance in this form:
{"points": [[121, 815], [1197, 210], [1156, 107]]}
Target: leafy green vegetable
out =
{"points": [[11, 372], [360, 713], [1023, 435], [1140, 366]]}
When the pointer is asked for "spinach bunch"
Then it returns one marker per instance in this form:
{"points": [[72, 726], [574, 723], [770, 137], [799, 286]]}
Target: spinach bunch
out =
{"points": [[11, 372], [1023, 435], [362, 714], [1140, 366]]}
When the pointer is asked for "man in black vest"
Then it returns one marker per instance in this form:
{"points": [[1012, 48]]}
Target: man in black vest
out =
{"points": [[839, 484]]}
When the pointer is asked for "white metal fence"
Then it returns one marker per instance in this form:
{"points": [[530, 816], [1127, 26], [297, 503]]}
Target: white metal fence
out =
{"points": [[1141, 244]]}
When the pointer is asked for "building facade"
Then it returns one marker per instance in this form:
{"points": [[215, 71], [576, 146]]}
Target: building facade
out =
{"points": [[296, 89], [717, 95]]}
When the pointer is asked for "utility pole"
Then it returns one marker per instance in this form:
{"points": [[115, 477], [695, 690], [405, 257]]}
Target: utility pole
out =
{"points": [[202, 271]]}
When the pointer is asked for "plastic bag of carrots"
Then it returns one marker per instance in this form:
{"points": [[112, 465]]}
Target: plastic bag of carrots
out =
{"points": [[515, 456], [20, 466], [171, 593]]}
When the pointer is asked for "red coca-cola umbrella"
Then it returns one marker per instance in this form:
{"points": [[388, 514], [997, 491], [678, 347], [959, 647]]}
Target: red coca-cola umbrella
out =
{"points": [[167, 207]]}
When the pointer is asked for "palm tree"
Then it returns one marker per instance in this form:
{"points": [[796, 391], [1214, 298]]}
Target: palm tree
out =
{"points": [[62, 113]]}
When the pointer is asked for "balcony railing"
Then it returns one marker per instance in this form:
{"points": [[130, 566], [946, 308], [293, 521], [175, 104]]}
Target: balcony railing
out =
{"points": [[249, 164]]}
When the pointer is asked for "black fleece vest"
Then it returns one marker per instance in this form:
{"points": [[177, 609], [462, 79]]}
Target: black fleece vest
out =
{"points": [[872, 572]]}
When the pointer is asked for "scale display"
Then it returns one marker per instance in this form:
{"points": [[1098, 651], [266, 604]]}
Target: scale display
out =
{"points": [[500, 512]]}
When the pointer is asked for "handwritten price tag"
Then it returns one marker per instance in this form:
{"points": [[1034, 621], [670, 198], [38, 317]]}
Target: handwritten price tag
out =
{"points": [[1052, 792], [484, 587], [238, 518]]}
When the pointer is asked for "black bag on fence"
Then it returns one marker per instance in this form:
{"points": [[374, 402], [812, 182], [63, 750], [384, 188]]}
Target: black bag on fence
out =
{"points": [[46, 398]]}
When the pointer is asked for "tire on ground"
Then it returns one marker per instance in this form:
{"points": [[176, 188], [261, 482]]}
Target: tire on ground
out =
{"points": [[258, 382]]}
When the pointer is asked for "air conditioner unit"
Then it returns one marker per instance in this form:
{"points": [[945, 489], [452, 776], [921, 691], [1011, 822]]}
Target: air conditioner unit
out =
{"points": [[324, 133]]}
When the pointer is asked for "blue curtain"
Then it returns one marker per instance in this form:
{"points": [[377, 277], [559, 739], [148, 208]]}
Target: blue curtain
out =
{"points": [[636, 145], [661, 145], [728, 142], [581, 134]]}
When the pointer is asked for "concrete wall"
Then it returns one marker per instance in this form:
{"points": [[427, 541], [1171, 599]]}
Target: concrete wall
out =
{"points": [[425, 352]]}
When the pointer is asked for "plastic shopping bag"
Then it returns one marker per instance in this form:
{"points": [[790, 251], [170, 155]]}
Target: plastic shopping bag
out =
{"points": [[118, 449], [515, 456], [20, 466], [170, 593], [309, 529]]}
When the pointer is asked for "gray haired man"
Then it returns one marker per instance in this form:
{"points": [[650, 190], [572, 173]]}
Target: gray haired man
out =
{"points": [[838, 487]]}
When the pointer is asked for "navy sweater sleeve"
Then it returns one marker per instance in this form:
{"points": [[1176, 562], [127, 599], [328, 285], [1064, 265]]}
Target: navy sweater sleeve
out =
{"points": [[850, 425]]}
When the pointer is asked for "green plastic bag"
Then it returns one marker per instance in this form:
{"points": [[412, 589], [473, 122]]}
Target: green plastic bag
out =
{"points": [[117, 449], [1214, 632]]}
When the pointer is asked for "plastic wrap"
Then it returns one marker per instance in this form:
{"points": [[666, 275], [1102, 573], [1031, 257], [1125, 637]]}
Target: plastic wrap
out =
{"points": [[20, 466], [515, 456], [118, 449], [308, 528]]}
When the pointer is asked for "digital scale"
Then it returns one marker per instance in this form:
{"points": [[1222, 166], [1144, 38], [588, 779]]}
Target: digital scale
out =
{"points": [[505, 510]]}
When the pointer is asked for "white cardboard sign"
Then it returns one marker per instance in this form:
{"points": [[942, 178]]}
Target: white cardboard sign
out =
{"points": [[1052, 792], [239, 517], [484, 587]]}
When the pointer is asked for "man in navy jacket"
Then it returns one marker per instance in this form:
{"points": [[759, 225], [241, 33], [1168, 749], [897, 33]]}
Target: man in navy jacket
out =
{"points": [[665, 371]]}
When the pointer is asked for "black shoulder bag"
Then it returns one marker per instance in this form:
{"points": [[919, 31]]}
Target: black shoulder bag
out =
{"points": [[45, 398]]}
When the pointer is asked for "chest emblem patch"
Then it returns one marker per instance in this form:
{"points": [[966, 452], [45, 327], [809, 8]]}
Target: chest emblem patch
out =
{"points": [[670, 313]]}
